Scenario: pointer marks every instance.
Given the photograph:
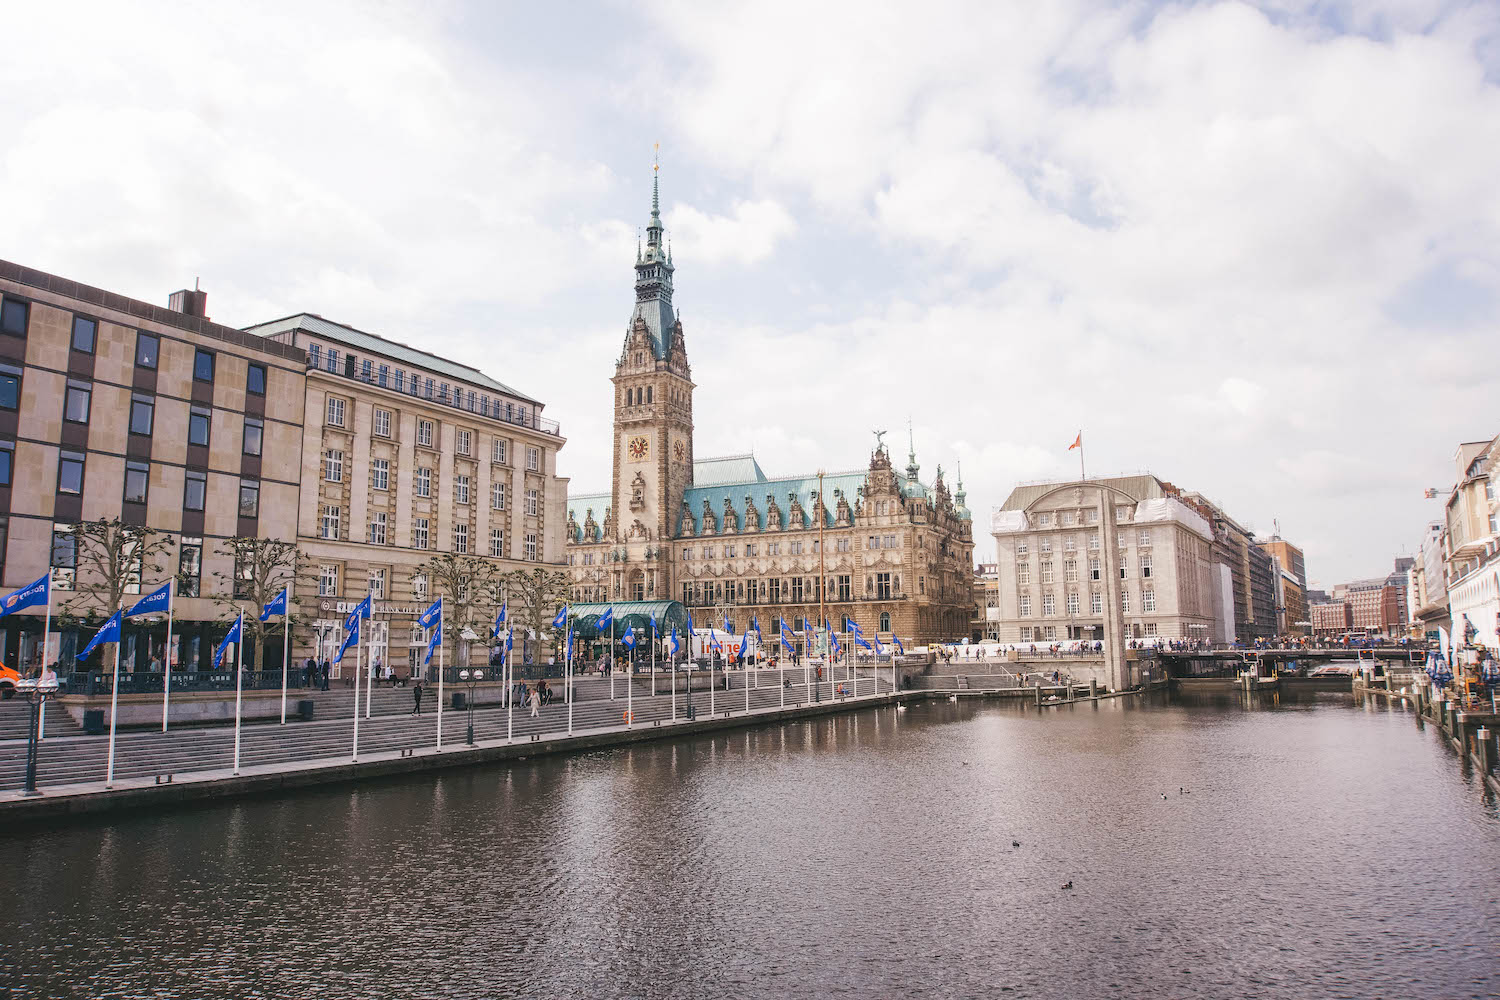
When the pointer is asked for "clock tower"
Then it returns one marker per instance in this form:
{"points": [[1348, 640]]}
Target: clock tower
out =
{"points": [[653, 442]]}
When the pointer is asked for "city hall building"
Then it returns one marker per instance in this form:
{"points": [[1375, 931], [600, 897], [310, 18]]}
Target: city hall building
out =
{"points": [[874, 544]]}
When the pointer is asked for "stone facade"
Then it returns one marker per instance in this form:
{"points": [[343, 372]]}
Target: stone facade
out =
{"points": [[886, 550], [1060, 580], [405, 455]]}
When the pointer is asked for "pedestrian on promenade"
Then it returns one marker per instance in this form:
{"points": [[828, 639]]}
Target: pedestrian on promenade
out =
{"points": [[416, 693], [327, 672], [309, 672], [535, 700]]}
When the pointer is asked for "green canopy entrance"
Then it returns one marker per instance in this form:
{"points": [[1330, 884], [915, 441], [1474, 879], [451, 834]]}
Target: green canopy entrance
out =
{"points": [[628, 615]]}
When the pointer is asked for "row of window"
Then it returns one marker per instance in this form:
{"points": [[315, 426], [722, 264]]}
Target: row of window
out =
{"points": [[380, 479], [1069, 544], [380, 533], [795, 590], [64, 563], [71, 467], [1048, 633], [426, 387], [1068, 518], [463, 438], [1070, 570], [1073, 601], [328, 574], [13, 319]]}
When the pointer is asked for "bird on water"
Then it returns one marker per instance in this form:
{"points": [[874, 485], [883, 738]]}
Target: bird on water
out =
{"points": [[1068, 884], [1015, 843]]}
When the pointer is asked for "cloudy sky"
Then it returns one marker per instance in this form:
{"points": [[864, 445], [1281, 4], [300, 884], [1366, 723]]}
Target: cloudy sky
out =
{"points": [[1254, 250]]}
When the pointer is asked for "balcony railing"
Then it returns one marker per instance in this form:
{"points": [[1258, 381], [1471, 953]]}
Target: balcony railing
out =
{"points": [[469, 401]]}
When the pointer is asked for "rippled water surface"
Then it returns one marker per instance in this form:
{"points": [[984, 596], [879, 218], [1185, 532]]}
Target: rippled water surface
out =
{"points": [[1323, 849]]}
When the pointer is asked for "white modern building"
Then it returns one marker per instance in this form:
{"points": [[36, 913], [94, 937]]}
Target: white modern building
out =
{"points": [[1075, 558]]}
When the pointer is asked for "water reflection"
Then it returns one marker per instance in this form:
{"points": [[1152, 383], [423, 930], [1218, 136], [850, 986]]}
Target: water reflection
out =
{"points": [[867, 854]]}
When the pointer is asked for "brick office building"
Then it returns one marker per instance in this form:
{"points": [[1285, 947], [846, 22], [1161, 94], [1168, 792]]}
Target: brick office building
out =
{"points": [[115, 408]]}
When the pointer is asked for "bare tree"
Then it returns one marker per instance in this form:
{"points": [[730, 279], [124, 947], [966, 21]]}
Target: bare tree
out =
{"points": [[262, 567], [535, 596], [466, 583], [113, 559]]}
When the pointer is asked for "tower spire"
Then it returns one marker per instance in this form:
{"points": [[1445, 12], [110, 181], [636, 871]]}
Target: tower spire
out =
{"points": [[911, 455], [653, 272]]}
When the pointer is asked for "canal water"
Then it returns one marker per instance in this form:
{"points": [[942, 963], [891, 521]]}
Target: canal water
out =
{"points": [[1319, 848]]}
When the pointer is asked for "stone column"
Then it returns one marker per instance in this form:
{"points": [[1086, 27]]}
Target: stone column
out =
{"points": [[1114, 623]]}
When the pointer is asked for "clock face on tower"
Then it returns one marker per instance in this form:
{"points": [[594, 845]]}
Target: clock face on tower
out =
{"points": [[638, 448]]}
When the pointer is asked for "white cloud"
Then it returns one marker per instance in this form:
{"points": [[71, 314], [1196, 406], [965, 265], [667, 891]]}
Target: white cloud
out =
{"points": [[1253, 252], [747, 235]]}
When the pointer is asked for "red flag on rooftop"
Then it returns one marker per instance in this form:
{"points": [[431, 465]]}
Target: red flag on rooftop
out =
{"points": [[1077, 442]]}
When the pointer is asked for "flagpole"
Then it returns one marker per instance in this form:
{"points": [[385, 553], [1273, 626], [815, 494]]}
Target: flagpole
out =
{"points": [[611, 652], [568, 684], [114, 702], [441, 608], [672, 669], [630, 689], [354, 754], [653, 656], [166, 656], [239, 683], [744, 664], [711, 668], [510, 683], [370, 660], [1082, 476], [41, 715], [286, 643]]}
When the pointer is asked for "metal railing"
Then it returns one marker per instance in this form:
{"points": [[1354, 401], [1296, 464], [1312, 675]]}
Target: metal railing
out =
{"points": [[470, 402], [91, 682]]}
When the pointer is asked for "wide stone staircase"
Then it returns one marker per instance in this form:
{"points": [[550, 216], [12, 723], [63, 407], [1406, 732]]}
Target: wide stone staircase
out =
{"points": [[15, 720]]}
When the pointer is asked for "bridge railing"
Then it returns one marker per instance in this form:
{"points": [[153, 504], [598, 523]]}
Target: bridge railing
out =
{"points": [[91, 682]]}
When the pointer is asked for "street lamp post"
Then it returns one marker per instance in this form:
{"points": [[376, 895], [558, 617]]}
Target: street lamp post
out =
{"points": [[36, 693], [472, 679]]}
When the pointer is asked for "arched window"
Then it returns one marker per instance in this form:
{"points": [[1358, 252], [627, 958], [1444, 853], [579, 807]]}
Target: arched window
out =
{"points": [[885, 621], [648, 394]]}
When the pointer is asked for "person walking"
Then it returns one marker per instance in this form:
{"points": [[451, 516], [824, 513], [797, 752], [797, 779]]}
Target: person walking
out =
{"points": [[327, 671], [536, 701], [416, 693]]}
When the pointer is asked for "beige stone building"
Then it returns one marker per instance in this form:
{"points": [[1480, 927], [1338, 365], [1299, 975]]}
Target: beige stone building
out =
{"points": [[115, 408], [728, 541], [1060, 579], [404, 455]]}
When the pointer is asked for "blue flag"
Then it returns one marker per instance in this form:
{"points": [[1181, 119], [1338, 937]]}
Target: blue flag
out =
{"points": [[277, 605], [755, 624], [690, 623], [864, 642], [784, 641], [153, 602], [509, 640], [235, 631], [675, 644], [852, 627], [30, 596], [109, 633], [432, 615], [897, 640], [433, 643], [569, 656], [365, 608], [653, 624], [728, 626], [629, 639], [833, 642], [606, 619], [500, 620], [351, 634], [561, 618]]}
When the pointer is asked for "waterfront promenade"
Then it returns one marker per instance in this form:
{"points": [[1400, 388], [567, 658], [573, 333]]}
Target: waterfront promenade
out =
{"points": [[184, 764]]}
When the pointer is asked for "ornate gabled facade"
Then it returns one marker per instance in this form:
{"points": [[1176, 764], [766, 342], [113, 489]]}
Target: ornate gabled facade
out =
{"points": [[896, 555]]}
